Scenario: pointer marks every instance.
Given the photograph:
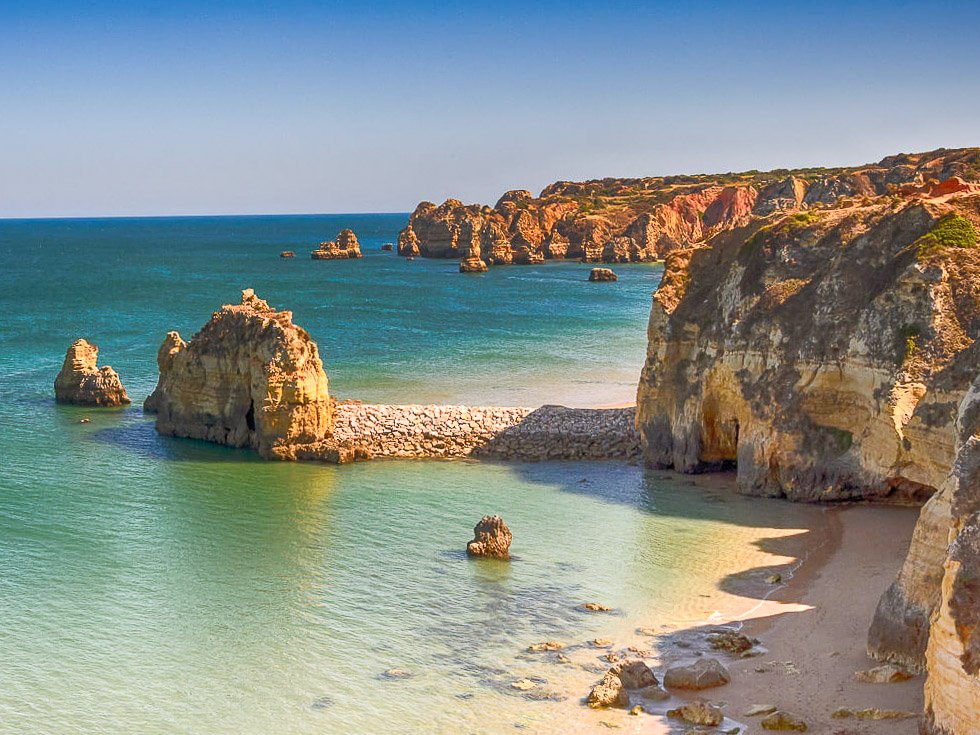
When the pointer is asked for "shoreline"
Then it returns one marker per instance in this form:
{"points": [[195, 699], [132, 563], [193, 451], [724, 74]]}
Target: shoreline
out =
{"points": [[815, 643]]}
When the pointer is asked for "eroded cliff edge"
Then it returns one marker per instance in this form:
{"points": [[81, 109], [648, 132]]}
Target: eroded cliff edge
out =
{"points": [[833, 354], [625, 220]]}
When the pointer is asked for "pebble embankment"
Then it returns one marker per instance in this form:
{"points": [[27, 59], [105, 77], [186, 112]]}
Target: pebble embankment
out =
{"points": [[549, 432]]}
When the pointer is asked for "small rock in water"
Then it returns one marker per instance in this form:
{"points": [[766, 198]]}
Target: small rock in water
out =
{"points": [[704, 674], [760, 709], [602, 274], [612, 657], [699, 713], [637, 710], [563, 659], [396, 674], [885, 674], [774, 578], [491, 539], [546, 646], [287, 254], [646, 631], [596, 607], [780, 720], [600, 642], [522, 685], [85, 420], [387, 247]]}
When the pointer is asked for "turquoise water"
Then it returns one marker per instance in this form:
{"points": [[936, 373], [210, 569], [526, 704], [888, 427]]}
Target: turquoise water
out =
{"points": [[154, 585]]}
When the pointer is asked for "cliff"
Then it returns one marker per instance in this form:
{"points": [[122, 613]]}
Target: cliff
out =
{"points": [[249, 378], [83, 383], [624, 220], [823, 354]]}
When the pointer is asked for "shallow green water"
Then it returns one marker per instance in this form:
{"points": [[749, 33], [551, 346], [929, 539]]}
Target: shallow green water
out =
{"points": [[152, 585]]}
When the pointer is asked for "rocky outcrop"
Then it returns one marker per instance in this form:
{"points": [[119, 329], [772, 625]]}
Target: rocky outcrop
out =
{"points": [[287, 254], [602, 274], [249, 378], [629, 220], [821, 353], [491, 538], [345, 246], [81, 382]]}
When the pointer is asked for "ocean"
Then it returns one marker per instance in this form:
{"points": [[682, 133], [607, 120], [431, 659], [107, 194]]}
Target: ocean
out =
{"points": [[159, 585]]}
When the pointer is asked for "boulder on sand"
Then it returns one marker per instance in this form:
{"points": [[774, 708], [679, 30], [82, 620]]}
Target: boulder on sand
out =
{"points": [[706, 673]]}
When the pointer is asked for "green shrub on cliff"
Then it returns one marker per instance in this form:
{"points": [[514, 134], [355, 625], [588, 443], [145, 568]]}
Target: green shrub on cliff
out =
{"points": [[952, 231]]}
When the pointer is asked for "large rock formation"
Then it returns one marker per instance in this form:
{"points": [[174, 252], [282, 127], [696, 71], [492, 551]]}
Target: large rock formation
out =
{"points": [[627, 220], [249, 378], [83, 383], [822, 354], [345, 246]]}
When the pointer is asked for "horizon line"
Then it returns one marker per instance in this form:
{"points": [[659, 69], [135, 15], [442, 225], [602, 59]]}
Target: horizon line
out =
{"points": [[62, 217]]}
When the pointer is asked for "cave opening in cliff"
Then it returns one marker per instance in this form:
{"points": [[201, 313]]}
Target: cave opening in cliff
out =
{"points": [[250, 416]]}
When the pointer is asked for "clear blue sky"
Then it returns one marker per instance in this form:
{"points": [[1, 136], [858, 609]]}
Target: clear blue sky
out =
{"points": [[176, 108]]}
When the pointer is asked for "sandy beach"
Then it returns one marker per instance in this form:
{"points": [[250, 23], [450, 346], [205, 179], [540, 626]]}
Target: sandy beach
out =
{"points": [[814, 630]]}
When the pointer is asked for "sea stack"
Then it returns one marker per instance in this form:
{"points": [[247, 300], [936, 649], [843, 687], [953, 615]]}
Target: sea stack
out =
{"points": [[344, 247], [602, 274], [249, 378], [491, 539], [81, 382]]}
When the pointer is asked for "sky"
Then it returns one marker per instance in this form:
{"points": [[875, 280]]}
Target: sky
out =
{"points": [[166, 108]]}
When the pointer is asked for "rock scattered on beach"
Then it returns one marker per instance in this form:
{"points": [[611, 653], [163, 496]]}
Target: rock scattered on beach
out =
{"points": [[609, 692], [873, 713], [653, 693], [637, 710], [774, 578], [596, 607], [602, 274], [634, 674], [647, 631], [81, 382], [704, 674], [698, 713], [546, 646], [780, 720], [760, 709], [491, 538], [885, 674], [600, 643], [734, 643]]}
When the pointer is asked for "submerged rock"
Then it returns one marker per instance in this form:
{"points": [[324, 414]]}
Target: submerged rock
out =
{"points": [[81, 382], [703, 674], [596, 607], [491, 539]]}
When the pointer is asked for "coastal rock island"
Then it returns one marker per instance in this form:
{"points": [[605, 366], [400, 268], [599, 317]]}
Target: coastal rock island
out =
{"points": [[619, 220], [81, 382], [249, 378], [344, 247]]}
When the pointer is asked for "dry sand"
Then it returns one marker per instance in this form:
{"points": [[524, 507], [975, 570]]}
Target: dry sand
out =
{"points": [[815, 629]]}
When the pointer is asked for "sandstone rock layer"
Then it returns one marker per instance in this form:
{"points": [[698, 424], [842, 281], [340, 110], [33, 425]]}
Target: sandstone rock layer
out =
{"points": [[249, 378]]}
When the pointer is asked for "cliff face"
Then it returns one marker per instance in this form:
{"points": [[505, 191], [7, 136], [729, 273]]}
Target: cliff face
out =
{"points": [[249, 378], [624, 220], [83, 383], [824, 353]]}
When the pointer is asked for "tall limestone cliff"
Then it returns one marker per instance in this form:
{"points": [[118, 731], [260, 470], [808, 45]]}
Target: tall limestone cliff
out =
{"points": [[249, 378], [626, 220], [824, 353]]}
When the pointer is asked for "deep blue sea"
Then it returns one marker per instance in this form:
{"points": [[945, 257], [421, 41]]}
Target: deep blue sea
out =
{"points": [[153, 585]]}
